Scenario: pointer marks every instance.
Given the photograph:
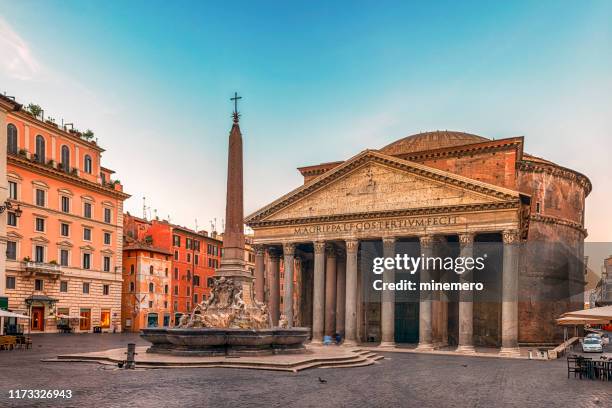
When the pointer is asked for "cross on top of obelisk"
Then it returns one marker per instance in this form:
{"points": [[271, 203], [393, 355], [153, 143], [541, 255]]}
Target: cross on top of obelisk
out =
{"points": [[235, 99]]}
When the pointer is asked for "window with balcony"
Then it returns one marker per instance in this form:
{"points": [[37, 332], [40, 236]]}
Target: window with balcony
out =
{"points": [[40, 149], [64, 286], [88, 164], [10, 282], [65, 229], [12, 190], [39, 285], [87, 234], [87, 210], [65, 204], [39, 254], [11, 250], [40, 197], [64, 257], [11, 219], [86, 261], [65, 158], [11, 141]]}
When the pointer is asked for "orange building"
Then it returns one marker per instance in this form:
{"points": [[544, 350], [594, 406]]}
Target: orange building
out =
{"points": [[146, 299], [64, 251], [194, 258]]}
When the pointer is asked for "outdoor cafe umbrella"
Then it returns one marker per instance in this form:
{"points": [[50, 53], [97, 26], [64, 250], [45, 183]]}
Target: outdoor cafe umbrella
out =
{"points": [[6, 313], [603, 313]]}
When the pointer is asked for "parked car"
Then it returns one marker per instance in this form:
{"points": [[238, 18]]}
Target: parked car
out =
{"points": [[592, 345]]}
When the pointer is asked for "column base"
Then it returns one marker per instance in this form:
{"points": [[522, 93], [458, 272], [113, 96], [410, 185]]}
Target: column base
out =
{"points": [[465, 349], [510, 352], [387, 344], [316, 342], [349, 343], [425, 347]]}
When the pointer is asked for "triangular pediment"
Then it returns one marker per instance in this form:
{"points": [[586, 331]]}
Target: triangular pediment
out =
{"points": [[372, 182]]}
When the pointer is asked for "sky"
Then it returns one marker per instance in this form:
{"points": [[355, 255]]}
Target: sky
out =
{"points": [[321, 81]]}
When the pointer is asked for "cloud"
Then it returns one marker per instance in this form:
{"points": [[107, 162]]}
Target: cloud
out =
{"points": [[17, 61]]}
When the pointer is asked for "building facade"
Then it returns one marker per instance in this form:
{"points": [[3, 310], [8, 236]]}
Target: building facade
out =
{"points": [[194, 258], [446, 193], [64, 248], [146, 299]]}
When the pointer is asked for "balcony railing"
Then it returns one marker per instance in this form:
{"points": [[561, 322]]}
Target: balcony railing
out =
{"points": [[42, 268]]}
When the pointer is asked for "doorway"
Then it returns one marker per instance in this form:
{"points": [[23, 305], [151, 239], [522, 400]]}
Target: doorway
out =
{"points": [[85, 320], [38, 318]]}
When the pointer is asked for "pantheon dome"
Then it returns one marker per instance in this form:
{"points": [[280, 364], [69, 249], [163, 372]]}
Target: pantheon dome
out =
{"points": [[431, 140]]}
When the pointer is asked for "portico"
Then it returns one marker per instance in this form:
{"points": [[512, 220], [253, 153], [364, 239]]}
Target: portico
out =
{"points": [[377, 199]]}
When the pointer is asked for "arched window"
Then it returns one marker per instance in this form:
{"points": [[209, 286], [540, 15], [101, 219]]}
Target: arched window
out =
{"points": [[40, 149], [88, 164], [65, 158], [11, 142]]}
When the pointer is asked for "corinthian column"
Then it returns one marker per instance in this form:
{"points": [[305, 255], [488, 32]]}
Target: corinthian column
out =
{"points": [[387, 313], [340, 293], [425, 318], [350, 322], [466, 299], [318, 293], [330, 291], [289, 252], [510, 293], [273, 275], [259, 273]]}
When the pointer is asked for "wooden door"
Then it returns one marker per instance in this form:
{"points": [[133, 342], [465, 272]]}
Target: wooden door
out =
{"points": [[38, 318], [85, 320]]}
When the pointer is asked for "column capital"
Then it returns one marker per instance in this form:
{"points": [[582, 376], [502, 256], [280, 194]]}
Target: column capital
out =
{"points": [[330, 250], [510, 236], [289, 248], [319, 247], [389, 240], [426, 241], [273, 252], [352, 245], [260, 249], [466, 239]]}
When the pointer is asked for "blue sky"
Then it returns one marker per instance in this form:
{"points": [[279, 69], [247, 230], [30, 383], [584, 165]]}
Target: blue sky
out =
{"points": [[321, 81]]}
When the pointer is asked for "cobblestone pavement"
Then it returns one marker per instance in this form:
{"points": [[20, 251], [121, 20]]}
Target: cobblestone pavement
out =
{"points": [[401, 380]]}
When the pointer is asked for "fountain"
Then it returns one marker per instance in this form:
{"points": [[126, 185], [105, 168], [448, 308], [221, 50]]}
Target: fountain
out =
{"points": [[230, 322]]}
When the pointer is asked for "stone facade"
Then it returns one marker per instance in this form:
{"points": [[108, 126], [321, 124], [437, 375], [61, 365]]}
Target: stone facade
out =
{"points": [[439, 190]]}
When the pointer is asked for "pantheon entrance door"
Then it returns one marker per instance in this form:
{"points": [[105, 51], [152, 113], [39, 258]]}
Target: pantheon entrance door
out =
{"points": [[407, 322], [38, 318]]}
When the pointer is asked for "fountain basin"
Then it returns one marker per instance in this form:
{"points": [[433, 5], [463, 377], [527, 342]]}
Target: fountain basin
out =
{"points": [[215, 341]]}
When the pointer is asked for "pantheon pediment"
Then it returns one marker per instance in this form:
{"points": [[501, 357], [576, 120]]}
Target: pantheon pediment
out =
{"points": [[372, 182]]}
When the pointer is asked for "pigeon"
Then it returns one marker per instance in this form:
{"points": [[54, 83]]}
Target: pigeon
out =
{"points": [[463, 365], [322, 381]]}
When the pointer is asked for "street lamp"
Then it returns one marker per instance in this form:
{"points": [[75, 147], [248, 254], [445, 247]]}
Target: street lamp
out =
{"points": [[8, 205]]}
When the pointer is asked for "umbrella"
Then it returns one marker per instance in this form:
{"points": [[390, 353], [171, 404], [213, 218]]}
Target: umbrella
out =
{"points": [[6, 313], [602, 313], [575, 321]]}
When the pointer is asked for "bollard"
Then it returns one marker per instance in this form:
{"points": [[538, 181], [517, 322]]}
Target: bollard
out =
{"points": [[131, 352]]}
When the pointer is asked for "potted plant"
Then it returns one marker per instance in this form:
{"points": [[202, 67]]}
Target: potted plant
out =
{"points": [[34, 110], [23, 152], [51, 122], [27, 259], [88, 134], [53, 262], [74, 171]]}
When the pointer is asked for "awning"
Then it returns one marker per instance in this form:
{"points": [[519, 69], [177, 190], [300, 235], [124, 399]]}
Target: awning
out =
{"points": [[604, 313], [6, 313], [579, 321], [40, 298]]}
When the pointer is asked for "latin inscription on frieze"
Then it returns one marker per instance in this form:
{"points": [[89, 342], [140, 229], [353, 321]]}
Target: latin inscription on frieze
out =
{"points": [[376, 225]]}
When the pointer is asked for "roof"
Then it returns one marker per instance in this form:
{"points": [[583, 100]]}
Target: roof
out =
{"points": [[431, 140]]}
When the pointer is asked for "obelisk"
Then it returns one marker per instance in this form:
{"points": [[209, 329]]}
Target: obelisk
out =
{"points": [[233, 264]]}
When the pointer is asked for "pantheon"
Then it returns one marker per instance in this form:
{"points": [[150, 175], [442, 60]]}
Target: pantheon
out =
{"points": [[434, 190]]}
